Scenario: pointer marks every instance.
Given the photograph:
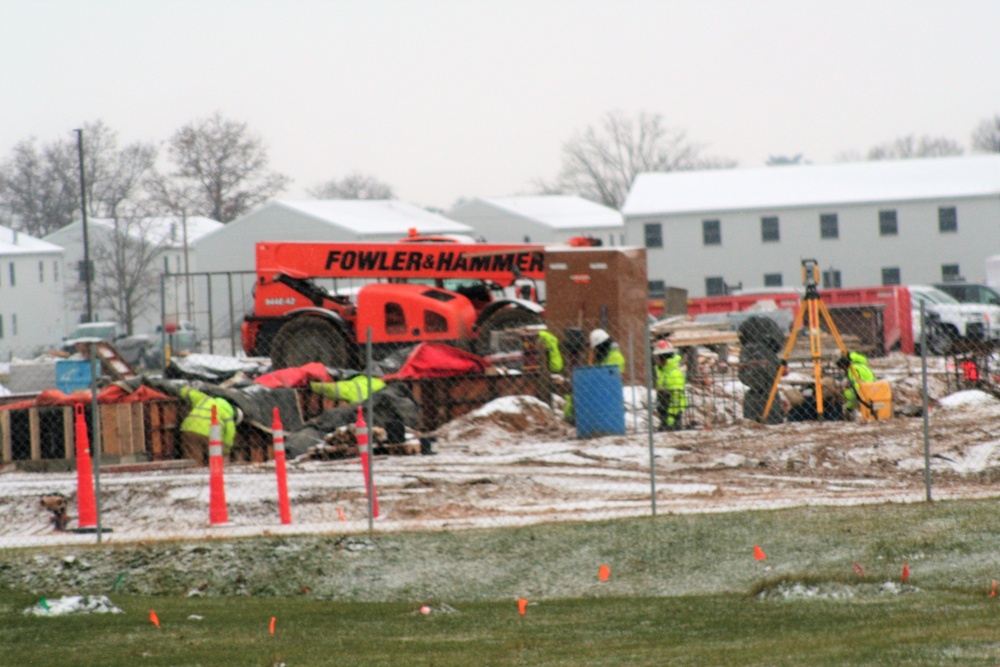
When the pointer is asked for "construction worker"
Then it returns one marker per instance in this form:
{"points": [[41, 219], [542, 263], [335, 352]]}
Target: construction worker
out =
{"points": [[552, 354], [856, 370], [196, 427], [671, 394], [606, 351], [353, 390]]}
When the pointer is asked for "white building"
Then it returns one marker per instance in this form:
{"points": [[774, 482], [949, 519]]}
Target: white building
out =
{"points": [[540, 219], [229, 253], [232, 247], [167, 234], [32, 275], [869, 223]]}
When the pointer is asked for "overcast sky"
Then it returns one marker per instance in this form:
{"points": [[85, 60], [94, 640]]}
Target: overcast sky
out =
{"points": [[451, 99]]}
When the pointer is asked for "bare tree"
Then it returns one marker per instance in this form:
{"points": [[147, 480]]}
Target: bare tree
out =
{"points": [[907, 147], [785, 160], [353, 186], [227, 164], [601, 162], [986, 138], [37, 193], [40, 189]]}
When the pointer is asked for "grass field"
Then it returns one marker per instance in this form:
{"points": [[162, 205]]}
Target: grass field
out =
{"points": [[929, 628], [804, 605]]}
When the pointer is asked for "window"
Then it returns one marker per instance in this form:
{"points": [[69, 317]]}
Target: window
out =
{"points": [[434, 322], [831, 279], [950, 272], [55, 271], [711, 232], [654, 234], [947, 219], [13, 276], [527, 239], [772, 280], [657, 289], [887, 225], [13, 324], [715, 286], [166, 265], [828, 228], [395, 320], [41, 272], [769, 229], [890, 276]]}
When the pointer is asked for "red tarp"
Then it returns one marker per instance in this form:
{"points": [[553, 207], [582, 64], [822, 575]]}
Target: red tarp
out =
{"points": [[295, 377], [436, 360], [110, 394]]}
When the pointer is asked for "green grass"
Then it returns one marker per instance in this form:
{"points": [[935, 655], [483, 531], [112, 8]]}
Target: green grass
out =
{"points": [[684, 590], [924, 628]]}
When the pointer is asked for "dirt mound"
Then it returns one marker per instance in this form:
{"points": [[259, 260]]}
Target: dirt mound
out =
{"points": [[503, 417]]}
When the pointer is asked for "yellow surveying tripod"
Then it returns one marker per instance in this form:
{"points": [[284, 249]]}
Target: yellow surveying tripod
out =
{"points": [[814, 306]]}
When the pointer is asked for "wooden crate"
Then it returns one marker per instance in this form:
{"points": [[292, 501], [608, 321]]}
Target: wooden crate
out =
{"points": [[128, 431]]}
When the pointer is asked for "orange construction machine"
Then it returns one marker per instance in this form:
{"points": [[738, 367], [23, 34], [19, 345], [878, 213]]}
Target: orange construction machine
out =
{"points": [[436, 290]]}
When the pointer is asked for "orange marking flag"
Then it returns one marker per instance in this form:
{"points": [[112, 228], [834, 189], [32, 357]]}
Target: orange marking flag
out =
{"points": [[522, 606], [993, 593], [153, 618], [860, 571], [603, 572], [340, 513], [758, 553], [906, 573], [273, 619]]}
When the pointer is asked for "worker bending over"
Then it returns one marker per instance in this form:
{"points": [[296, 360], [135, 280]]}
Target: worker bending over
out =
{"points": [[196, 427], [856, 370]]}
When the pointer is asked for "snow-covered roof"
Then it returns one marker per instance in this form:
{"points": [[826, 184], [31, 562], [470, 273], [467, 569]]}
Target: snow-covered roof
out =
{"points": [[168, 230], [813, 185], [376, 216], [559, 211], [13, 242]]}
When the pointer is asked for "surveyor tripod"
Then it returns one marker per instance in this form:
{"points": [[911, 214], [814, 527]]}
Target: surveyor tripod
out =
{"points": [[813, 306]]}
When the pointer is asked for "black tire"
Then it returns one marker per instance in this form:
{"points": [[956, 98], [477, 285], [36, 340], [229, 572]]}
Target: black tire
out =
{"points": [[941, 338], [501, 320], [306, 339]]}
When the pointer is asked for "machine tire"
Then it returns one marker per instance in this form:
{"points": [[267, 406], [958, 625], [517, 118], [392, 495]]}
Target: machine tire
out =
{"points": [[942, 337], [501, 320], [306, 339]]}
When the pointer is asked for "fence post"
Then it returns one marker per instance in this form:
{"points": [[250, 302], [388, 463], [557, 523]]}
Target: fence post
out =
{"points": [[370, 482], [95, 438], [927, 428], [649, 418]]}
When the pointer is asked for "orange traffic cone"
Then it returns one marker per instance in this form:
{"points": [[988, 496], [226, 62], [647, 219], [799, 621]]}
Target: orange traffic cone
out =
{"points": [[85, 499], [218, 513], [361, 432], [280, 469]]}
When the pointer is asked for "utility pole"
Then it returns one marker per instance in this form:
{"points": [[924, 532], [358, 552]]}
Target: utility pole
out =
{"points": [[187, 270], [86, 242]]}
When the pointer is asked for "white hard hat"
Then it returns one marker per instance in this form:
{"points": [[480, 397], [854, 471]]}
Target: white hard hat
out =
{"points": [[663, 347], [598, 336]]}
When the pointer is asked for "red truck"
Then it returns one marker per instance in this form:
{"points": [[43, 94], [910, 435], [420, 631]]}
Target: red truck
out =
{"points": [[433, 290]]}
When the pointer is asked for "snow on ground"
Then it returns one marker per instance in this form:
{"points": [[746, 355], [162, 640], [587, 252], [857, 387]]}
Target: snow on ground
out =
{"points": [[514, 462]]}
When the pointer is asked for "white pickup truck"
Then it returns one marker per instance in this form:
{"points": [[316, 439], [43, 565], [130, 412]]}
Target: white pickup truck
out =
{"points": [[950, 320]]}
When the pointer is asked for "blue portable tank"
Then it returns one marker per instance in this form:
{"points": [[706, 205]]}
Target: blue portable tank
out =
{"points": [[597, 401], [72, 375]]}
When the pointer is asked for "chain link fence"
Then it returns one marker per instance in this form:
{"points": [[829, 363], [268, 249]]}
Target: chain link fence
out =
{"points": [[736, 410]]}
